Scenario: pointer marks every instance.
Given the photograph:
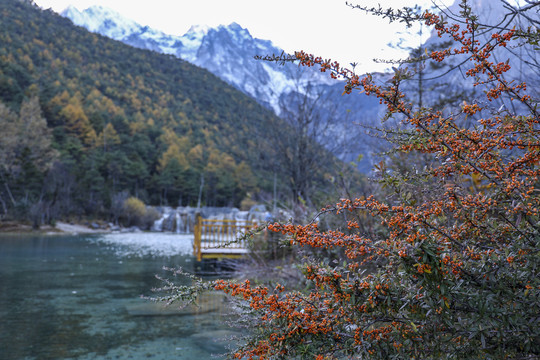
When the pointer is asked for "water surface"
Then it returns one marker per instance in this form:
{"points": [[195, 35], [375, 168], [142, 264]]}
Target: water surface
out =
{"points": [[78, 297]]}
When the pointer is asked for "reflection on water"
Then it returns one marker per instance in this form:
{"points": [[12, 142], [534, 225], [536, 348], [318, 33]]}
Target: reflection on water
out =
{"points": [[78, 297]]}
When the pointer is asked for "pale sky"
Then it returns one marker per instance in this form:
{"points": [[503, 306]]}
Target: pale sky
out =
{"points": [[327, 28]]}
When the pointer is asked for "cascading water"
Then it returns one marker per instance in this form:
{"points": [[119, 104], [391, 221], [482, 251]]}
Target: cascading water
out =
{"points": [[182, 219], [158, 224], [178, 223], [187, 223]]}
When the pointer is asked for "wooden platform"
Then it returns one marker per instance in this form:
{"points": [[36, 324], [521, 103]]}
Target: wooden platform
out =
{"points": [[216, 239]]}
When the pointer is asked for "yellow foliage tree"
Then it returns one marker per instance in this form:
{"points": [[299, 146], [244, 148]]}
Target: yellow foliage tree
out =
{"points": [[173, 152], [76, 121], [108, 137]]}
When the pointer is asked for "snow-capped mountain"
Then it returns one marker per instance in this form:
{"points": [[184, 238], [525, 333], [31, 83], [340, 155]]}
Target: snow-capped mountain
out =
{"points": [[226, 51]]}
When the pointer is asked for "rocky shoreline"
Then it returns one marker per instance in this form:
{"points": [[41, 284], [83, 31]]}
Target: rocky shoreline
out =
{"points": [[14, 227], [80, 229]]}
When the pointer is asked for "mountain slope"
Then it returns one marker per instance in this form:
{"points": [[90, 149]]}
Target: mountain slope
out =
{"points": [[125, 119]]}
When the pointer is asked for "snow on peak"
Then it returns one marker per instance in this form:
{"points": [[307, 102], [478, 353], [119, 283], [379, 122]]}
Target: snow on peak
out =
{"points": [[102, 20], [70, 10], [234, 27], [199, 30], [239, 33]]}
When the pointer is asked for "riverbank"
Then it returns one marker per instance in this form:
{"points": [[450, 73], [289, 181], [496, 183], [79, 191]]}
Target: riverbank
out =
{"points": [[78, 228], [15, 227]]}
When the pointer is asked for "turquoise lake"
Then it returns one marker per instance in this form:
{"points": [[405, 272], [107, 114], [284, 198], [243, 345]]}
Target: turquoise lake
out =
{"points": [[79, 297]]}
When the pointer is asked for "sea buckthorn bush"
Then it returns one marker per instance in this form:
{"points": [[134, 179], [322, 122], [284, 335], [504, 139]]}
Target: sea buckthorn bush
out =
{"points": [[456, 245]]}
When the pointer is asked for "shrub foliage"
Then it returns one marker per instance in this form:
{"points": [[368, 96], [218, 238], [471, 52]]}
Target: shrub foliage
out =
{"points": [[453, 264]]}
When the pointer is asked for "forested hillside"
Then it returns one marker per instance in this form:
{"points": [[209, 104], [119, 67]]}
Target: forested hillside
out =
{"points": [[86, 120]]}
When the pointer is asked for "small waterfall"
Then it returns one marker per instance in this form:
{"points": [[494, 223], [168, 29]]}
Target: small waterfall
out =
{"points": [[164, 222], [178, 222], [158, 224]]}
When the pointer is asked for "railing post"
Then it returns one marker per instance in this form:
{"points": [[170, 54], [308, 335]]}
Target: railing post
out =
{"points": [[197, 245]]}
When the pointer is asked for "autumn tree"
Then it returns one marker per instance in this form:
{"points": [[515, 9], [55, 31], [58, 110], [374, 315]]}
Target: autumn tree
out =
{"points": [[107, 138], [76, 121], [452, 269], [25, 154]]}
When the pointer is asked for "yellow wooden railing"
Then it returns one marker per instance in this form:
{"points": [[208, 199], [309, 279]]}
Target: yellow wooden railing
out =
{"points": [[220, 238]]}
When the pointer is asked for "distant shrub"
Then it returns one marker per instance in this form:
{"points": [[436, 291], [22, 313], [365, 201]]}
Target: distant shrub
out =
{"points": [[135, 213]]}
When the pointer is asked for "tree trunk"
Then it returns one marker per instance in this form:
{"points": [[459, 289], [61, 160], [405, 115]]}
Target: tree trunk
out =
{"points": [[9, 193], [4, 207]]}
